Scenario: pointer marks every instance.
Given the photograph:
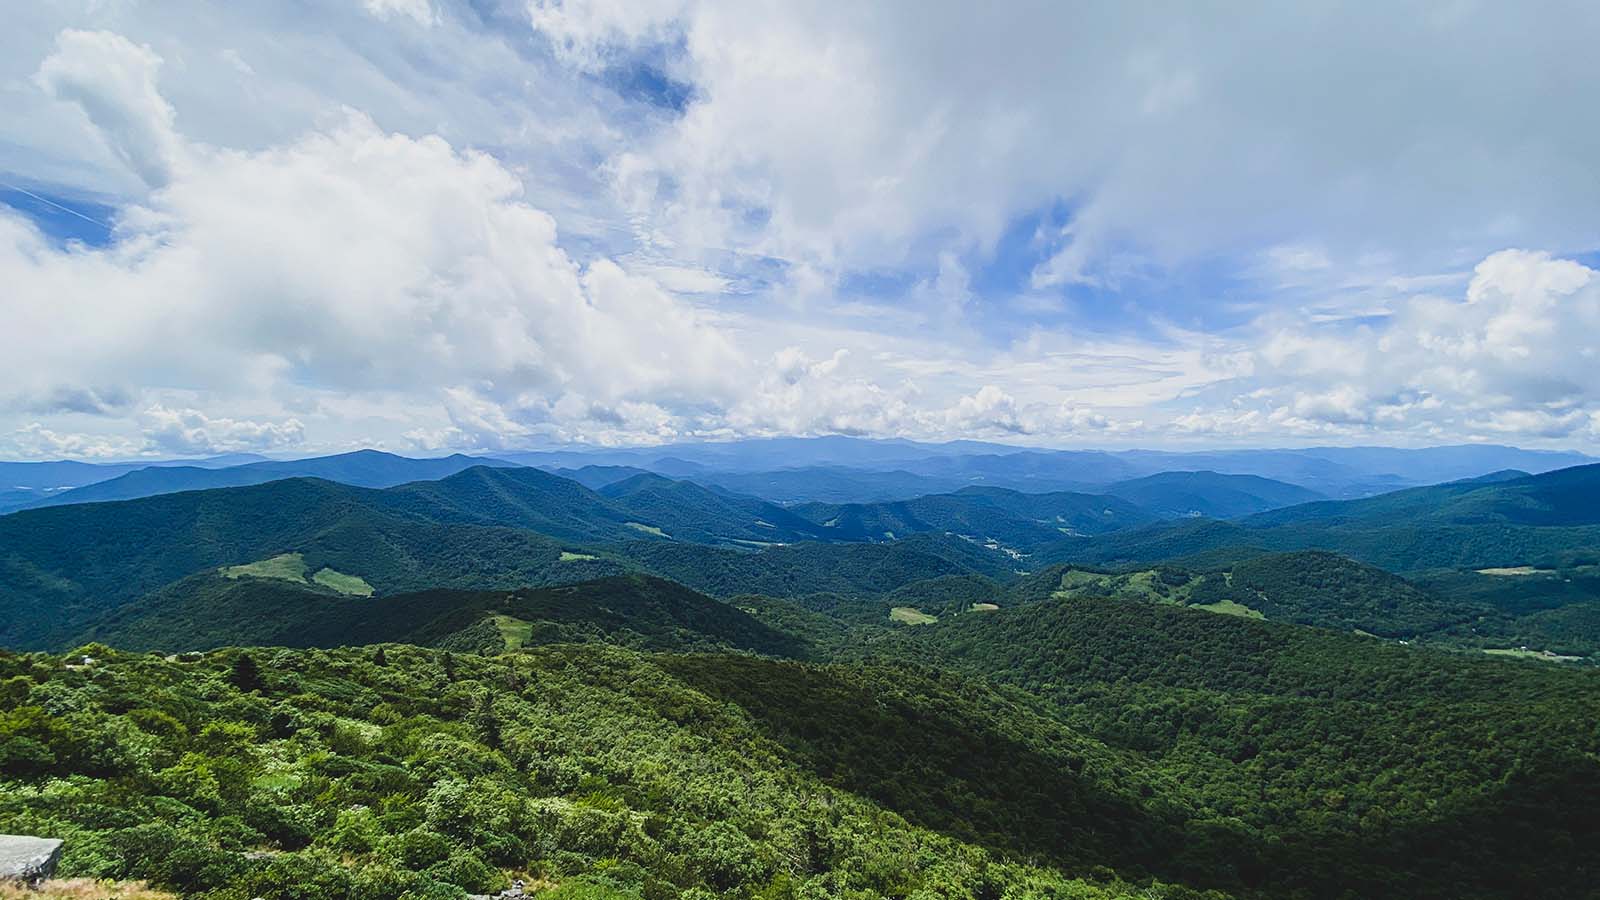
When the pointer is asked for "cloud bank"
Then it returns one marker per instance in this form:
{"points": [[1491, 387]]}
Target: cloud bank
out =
{"points": [[685, 219]]}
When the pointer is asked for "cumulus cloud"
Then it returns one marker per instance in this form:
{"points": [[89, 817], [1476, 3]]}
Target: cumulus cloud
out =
{"points": [[35, 441], [1514, 355], [190, 431], [350, 260]]}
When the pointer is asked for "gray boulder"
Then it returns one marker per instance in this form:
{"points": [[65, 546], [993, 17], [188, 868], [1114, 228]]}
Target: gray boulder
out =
{"points": [[28, 859]]}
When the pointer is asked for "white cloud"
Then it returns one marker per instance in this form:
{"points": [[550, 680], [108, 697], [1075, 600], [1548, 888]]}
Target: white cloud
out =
{"points": [[861, 133], [113, 81], [419, 11], [1513, 356], [442, 237], [190, 431], [34, 441], [349, 259]]}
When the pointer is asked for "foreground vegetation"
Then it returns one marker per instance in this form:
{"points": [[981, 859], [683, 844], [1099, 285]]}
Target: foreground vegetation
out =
{"points": [[403, 772]]}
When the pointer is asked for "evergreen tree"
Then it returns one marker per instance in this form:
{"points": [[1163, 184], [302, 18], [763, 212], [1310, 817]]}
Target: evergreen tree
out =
{"points": [[484, 720], [246, 675]]}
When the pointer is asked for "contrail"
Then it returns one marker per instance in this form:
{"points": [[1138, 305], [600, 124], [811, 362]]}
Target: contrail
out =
{"points": [[66, 209]]}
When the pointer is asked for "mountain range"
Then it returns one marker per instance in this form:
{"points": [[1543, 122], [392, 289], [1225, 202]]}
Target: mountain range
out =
{"points": [[825, 470], [373, 676]]}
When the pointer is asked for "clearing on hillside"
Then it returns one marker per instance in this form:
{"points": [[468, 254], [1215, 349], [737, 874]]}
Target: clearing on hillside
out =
{"points": [[515, 631], [1525, 653], [353, 585], [910, 615], [285, 567], [569, 556], [292, 567], [985, 607], [1229, 608], [647, 529]]}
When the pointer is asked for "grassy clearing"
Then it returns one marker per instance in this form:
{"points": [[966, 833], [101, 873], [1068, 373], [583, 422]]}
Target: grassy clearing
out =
{"points": [[1143, 585], [1513, 571], [1230, 608], [515, 631], [1525, 653], [647, 529], [83, 889], [285, 567], [569, 556], [353, 585], [292, 567], [910, 615], [985, 607]]}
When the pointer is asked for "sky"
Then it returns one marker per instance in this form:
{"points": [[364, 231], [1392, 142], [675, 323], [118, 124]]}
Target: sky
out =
{"points": [[431, 226]]}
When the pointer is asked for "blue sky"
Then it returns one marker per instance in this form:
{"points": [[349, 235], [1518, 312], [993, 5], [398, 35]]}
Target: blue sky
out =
{"points": [[436, 225]]}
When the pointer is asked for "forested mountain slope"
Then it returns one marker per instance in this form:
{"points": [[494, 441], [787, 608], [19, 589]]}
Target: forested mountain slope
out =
{"points": [[1317, 757], [62, 568], [687, 511], [1218, 496], [1550, 518], [1009, 518], [209, 611], [1309, 587]]}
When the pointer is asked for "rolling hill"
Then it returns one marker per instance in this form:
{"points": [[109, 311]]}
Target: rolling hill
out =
{"points": [[1295, 737], [208, 611], [1009, 519], [687, 511], [1551, 518], [1211, 494], [61, 568], [1308, 587]]}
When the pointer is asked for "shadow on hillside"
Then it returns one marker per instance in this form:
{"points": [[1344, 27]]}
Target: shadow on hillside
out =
{"points": [[1532, 836], [918, 745], [915, 743]]}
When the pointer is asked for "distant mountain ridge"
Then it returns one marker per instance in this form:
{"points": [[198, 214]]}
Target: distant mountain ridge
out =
{"points": [[1531, 520], [1009, 518], [802, 470], [1219, 496], [363, 468], [831, 469]]}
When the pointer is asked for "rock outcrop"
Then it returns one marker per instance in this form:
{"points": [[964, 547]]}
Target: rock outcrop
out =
{"points": [[515, 892], [28, 859]]}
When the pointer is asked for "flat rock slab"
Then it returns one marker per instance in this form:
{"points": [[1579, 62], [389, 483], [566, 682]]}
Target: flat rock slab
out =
{"points": [[25, 858]]}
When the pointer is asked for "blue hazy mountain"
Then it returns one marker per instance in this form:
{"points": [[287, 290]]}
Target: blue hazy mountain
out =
{"points": [[844, 469], [25, 483], [1550, 519], [363, 468], [1180, 494]]}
